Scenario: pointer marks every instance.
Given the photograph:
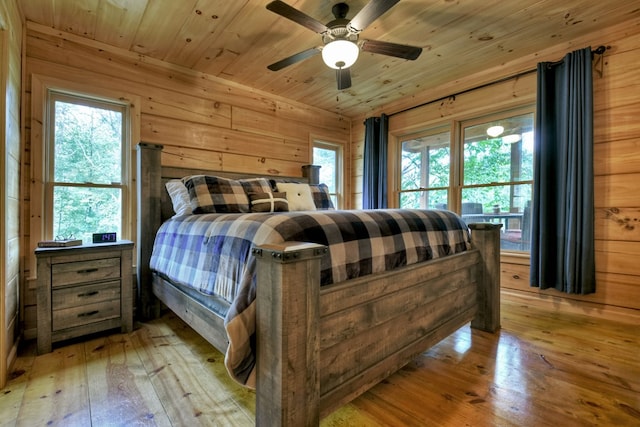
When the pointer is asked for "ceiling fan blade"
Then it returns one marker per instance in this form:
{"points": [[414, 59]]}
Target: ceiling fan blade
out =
{"points": [[391, 49], [300, 56], [283, 9], [372, 11], [343, 77]]}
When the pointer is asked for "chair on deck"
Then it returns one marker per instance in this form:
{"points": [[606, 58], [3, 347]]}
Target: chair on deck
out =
{"points": [[526, 227], [470, 211], [519, 238], [471, 208]]}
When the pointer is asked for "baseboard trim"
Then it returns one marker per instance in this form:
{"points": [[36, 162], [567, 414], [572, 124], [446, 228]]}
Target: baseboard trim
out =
{"points": [[565, 305]]}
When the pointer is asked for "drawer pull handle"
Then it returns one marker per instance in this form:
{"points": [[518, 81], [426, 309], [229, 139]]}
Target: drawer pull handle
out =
{"points": [[88, 294], [88, 270], [89, 313]]}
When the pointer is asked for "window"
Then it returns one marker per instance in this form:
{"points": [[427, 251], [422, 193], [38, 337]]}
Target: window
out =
{"points": [[86, 171], [498, 176], [486, 174], [329, 157], [425, 171]]}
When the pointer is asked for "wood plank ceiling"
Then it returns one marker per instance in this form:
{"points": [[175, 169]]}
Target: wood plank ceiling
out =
{"points": [[236, 40]]}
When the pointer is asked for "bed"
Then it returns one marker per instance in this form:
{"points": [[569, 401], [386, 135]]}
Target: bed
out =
{"points": [[318, 347]]}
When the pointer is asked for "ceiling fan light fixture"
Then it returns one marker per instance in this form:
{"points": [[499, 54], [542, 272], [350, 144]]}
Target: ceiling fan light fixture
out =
{"points": [[511, 138], [340, 54], [495, 131]]}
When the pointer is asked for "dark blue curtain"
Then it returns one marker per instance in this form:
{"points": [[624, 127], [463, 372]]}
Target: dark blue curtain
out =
{"points": [[562, 252], [375, 162]]}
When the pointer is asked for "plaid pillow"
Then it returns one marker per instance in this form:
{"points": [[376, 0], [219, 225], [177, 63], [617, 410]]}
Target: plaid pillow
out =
{"points": [[321, 197], [214, 194], [255, 185], [269, 202]]}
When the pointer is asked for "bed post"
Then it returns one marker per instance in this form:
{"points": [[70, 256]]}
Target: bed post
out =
{"points": [[486, 238], [312, 173], [288, 347], [149, 193]]}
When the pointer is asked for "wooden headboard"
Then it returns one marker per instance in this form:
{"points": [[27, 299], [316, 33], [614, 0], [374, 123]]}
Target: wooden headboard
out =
{"points": [[154, 206]]}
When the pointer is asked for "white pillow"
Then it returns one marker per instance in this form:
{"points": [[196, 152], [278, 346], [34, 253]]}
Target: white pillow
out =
{"points": [[298, 195], [179, 197]]}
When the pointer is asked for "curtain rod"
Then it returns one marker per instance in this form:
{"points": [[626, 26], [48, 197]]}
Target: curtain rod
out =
{"points": [[598, 51]]}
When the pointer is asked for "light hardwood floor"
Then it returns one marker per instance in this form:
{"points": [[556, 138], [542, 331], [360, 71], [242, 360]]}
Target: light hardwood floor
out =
{"points": [[540, 369]]}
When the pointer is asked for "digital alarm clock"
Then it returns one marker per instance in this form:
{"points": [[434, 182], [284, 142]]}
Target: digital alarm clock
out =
{"points": [[104, 237]]}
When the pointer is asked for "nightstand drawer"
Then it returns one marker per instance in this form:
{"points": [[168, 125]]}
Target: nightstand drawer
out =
{"points": [[85, 314], [85, 271], [86, 294]]}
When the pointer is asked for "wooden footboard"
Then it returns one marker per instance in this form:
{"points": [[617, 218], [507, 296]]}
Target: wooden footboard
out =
{"points": [[318, 349]]}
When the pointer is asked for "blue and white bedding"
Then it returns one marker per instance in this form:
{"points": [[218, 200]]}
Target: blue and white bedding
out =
{"points": [[212, 254]]}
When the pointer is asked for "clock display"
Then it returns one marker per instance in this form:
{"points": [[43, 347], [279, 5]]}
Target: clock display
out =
{"points": [[104, 237]]}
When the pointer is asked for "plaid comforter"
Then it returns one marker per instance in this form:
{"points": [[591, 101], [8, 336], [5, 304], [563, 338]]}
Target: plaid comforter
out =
{"points": [[212, 253]]}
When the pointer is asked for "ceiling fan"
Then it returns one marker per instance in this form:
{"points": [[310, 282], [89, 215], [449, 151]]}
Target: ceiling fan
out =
{"points": [[340, 38]]}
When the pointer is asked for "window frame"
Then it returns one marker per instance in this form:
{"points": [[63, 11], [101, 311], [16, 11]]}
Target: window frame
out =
{"points": [[40, 84], [456, 170], [90, 100], [430, 131], [461, 125], [338, 148]]}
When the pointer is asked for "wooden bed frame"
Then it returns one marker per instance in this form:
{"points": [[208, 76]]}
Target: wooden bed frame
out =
{"points": [[319, 348]]}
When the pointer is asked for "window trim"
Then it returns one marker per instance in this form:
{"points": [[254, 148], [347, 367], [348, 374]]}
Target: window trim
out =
{"points": [[456, 126], [397, 158], [40, 84], [339, 148], [54, 95], [498, 115]]}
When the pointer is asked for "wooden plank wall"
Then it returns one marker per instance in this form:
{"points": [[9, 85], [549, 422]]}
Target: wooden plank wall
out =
{"points": [[617, 165], [203, 121], [10, 87]]}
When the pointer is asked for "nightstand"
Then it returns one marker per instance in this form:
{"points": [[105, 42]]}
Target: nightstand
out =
{"points": [[82, 290]]}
